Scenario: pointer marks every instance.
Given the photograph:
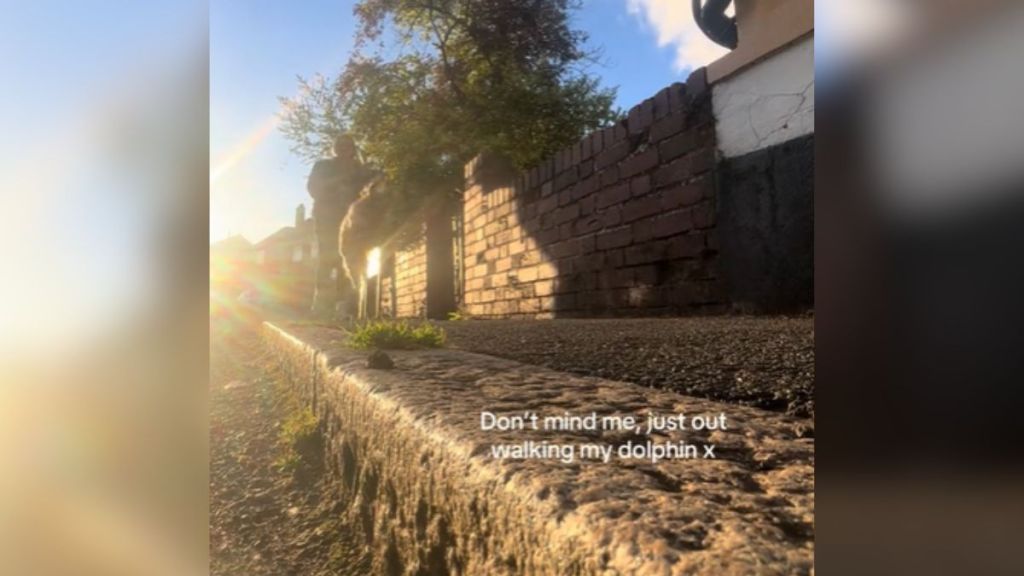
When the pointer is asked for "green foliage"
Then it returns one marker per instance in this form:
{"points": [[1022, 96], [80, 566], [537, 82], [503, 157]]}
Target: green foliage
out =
{"points": [[298, 431], [432, 83], [396, 335]]}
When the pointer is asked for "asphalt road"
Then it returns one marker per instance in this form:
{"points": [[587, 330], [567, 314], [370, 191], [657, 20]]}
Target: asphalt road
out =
{"points": [[753, 361]]}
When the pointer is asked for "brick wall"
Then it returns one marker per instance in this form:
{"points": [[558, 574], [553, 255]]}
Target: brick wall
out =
{"points": [[387, 305], [410, 278], [621, 222]]}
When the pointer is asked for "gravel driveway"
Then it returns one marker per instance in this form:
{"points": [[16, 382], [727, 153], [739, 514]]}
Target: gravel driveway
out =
{"points": [[763, 362]]}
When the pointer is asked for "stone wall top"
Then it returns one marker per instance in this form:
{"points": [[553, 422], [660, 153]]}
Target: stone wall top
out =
{"points": [[408, 444]]}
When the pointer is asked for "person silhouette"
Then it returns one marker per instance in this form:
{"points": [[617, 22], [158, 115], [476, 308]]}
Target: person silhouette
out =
{"points": [[334, 183]]}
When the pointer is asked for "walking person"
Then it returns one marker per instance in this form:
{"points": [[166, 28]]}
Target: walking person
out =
{"points": [[334, 183]]}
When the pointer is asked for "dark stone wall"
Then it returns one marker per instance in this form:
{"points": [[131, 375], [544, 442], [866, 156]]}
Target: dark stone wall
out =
{"points": [[766, 228]]}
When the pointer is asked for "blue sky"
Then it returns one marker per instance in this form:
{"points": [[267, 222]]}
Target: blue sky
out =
{"points": [[257, 47]]}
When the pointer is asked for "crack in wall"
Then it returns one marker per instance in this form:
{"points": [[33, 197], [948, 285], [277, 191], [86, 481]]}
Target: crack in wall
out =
{"points": [[799, 109]]}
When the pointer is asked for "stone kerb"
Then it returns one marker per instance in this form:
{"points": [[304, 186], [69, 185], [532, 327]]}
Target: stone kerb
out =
{"points": [[407, 448]]}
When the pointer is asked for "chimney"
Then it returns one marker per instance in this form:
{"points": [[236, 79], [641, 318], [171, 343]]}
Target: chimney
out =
{"points": [[300, 215]]}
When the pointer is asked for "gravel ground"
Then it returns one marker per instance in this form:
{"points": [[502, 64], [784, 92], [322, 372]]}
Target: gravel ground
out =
{"points": [[264, 521], [762, 362]]}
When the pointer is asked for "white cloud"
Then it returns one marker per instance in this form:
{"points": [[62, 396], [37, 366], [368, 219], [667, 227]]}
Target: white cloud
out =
{"points": [[672, 22]]}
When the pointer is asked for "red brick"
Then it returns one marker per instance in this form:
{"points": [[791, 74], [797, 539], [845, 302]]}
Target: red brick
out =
{"points": [[616, 238], [567, 280], [640, 186], [587, 147], [697, 83], [586, 168], [585, 187], [585, 262], [588, 225], [597, 141], [680, 144], [686, 246], [645, 253], [641, 208], [643, 230], [547, 170], [565, 231], [611, 217], [686, 194], [667, 126], [588, 244], [646, 275], [564, 249], [641, 117], [608, 136], [621, 130], [563, 302], [701, 160], [547, 236], [544, 287], [677, 97], [547, 220], [567, 213], [589, 262], [587, 204], [566, 178], [700, 114], [661, 108], [622, 278], [673, 223], [609, 176], [612, 155], [640, 162], [684, 168], [533, 177], [610, 196], [547, 204]]}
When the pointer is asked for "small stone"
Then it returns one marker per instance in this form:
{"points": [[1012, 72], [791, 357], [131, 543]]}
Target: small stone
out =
{"points": [[379, 360]]}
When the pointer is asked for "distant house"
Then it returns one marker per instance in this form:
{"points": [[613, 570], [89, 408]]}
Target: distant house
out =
{"points": [[290, 247], [234, 248], [285, 262]]}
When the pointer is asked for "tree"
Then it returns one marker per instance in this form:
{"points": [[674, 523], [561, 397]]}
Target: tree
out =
{"points": [[432, 83]]}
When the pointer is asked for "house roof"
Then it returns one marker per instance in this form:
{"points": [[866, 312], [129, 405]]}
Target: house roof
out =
{"points": [[236, 243], [289, 234]]}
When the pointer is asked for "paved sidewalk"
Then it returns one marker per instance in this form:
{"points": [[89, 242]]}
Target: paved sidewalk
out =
{"points": [[752, 361]]}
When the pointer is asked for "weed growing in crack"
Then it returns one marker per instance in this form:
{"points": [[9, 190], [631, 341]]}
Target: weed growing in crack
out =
{"points": [[392, 335]]}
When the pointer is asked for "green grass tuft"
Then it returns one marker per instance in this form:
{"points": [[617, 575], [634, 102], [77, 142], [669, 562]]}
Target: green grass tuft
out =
{"points": [[392, 335], [297, 434]]}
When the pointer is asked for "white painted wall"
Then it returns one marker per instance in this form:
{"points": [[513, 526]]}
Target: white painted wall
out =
{"points": [[768, 103]]}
